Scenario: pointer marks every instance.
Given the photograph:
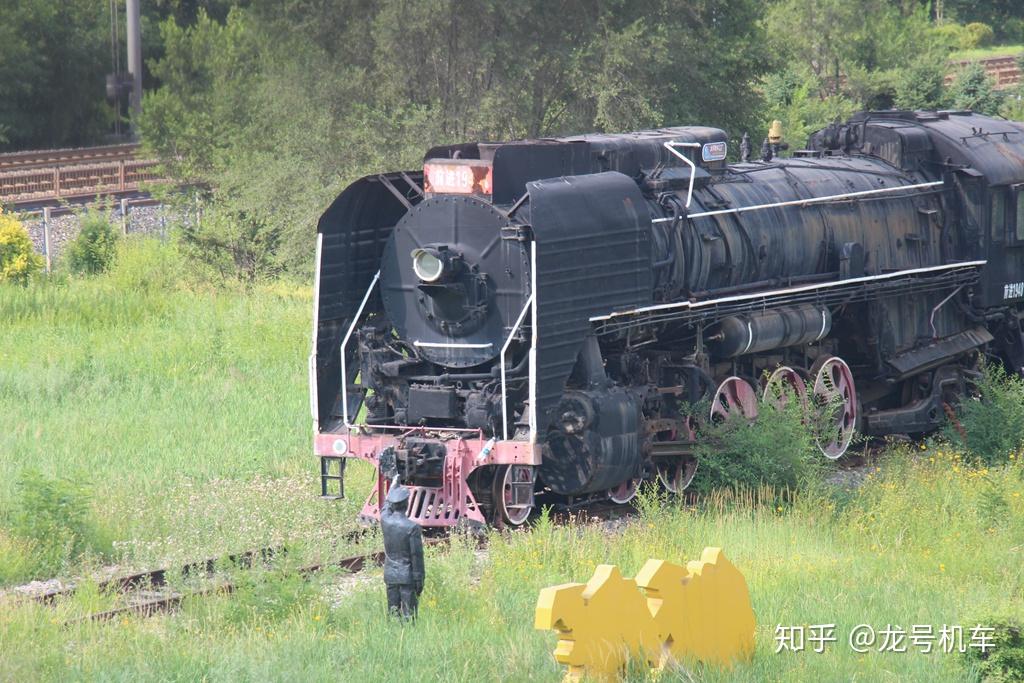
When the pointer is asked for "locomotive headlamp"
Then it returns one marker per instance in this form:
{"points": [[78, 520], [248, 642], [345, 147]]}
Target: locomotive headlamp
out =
{"points": [[428, 264]]}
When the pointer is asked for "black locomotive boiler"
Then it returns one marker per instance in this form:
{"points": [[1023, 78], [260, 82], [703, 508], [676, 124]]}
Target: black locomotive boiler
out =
{"points": [[545, 315]]}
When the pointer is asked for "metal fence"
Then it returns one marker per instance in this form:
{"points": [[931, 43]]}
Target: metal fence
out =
{"points": [[77, 180], [48, 219]]}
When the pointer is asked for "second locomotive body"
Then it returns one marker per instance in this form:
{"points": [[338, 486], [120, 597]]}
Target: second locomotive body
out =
{"points": [[553, 315]]}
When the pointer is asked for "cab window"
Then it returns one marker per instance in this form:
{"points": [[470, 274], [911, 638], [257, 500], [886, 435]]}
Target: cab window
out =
{"points": [[997, 215], [1019, 223]]}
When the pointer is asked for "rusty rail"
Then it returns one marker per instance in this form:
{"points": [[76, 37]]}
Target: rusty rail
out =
{"points": [[68, 156]]}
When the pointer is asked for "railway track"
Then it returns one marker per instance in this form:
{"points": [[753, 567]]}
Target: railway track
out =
{"points": [[148, 602], [151, 592], [19, 161]]}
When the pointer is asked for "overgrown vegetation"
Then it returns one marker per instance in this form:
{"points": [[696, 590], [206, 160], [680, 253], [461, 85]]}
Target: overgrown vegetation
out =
{"points": [[51, 521], [95, 246], [879, 558], [990, 423], [274, 112], [778, 450], [268, 109], [177, 406], [1005, 663], [279, 107]]}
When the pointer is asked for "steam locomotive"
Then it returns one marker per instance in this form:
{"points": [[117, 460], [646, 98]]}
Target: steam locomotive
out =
{"points": [[551, 316]]}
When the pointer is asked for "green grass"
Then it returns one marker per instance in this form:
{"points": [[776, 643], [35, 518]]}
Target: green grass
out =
{"points": [[987, 52], [183, 413], [910, 547]]}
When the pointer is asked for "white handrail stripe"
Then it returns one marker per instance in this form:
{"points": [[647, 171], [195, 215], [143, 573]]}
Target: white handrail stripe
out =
{"points": [[344, 344], [789, 290], [501, 359], [802, 202]]}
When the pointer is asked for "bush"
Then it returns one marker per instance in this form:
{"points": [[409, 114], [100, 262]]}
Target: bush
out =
{"points": [[232, 245], [1004, 662], [778, 450], [921, 85], [52, 516], [973, 89], [951, 36], [94, 249], [976, 34], [991, 424], [18, 260]]}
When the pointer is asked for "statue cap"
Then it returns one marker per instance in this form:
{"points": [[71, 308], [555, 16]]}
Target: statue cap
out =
{"points": [[398, 494]]}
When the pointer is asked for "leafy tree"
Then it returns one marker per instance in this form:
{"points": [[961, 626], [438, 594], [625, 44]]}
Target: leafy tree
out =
{"points": [[996, 13], [276, 109], [977, 34], [232, 246], [797, 105], [921, 85], [53, 58], [973, 89]]}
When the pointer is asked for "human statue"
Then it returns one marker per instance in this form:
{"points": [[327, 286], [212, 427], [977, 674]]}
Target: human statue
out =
{"points": [[745, 148], [403, 554]]}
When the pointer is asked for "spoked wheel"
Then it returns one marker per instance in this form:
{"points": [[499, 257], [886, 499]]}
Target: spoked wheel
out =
{"points": [[734, 396], [624, 492], [676, 473], [836, 400], [782, 384], [513, 494]]}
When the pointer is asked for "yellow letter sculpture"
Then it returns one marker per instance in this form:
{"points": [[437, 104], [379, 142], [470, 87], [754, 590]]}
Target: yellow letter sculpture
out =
{"points": [[700, 612]]}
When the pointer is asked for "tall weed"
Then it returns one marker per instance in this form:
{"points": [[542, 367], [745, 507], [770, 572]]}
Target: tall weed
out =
{"points": [[991, 424], [1004, 662], [778, 450], [53, 517], [147, 264]]}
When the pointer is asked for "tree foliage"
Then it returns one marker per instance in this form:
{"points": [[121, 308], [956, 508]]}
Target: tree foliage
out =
{"points": [[281, 105], [53, 56], [974, 89], [269, 107], [842, 62]]}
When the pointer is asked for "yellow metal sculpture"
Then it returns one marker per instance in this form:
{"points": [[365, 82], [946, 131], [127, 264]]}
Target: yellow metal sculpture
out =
{"points": [[600, 624], [702, 611], [698, 612]]}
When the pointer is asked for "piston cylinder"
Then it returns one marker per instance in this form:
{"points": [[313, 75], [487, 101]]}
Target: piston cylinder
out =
{"points": [[740, 335], [595, 444]]}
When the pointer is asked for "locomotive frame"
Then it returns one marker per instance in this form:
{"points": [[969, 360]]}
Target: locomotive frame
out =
{"points": [[541, 316]]}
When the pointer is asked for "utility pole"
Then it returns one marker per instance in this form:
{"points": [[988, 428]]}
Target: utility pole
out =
{"points": [[135, 55]]}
